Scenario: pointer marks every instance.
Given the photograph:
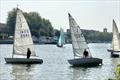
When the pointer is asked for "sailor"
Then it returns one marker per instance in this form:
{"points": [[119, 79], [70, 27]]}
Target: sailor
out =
{"points": [[85, 53], [112, 53], [28, 53]]}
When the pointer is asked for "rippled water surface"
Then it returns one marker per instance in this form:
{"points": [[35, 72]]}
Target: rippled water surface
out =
{"points": [[55, 65]]}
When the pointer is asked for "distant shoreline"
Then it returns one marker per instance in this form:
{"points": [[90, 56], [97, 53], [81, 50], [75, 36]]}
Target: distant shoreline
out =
{"points": [[37, 42]]}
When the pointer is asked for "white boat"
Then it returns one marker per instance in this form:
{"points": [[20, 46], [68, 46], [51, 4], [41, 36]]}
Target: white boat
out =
{"points": [[22, 41], [61, 40], [79, 45], [115, 46]]}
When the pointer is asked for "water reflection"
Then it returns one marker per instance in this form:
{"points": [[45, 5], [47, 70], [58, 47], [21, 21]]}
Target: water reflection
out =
{"points": [[86, 73], [103, 72], [79, 73], [22, 72], [115, 61]]}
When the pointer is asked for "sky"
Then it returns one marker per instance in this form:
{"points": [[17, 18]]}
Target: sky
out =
{"points": [[89, 14]]}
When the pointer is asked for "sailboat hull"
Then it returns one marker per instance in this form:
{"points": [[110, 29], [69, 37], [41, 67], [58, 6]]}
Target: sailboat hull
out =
{"points": [[114, 53], [59, 45], [85, 62], [23, 61], [110, 50]]}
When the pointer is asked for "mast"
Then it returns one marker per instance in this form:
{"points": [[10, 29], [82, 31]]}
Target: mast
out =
{"points": [[14, 33]]}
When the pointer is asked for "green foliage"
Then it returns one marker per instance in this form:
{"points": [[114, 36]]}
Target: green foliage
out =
{"points": [[96, 36], [118, 72], [38, 26], [57, 33], [42, 27], [11, 20]]}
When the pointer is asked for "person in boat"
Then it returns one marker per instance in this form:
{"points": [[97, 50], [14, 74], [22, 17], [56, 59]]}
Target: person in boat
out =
{"points": [[112, 53], [28, 53], [85, 53]]}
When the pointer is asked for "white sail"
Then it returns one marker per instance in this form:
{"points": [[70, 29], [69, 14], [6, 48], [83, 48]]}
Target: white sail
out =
{"points": [[78, 40], [22, 36], [116, 38]]}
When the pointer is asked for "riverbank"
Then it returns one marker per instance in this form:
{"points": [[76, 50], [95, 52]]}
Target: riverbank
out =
{"points": [[7, 41], [35, 42]]}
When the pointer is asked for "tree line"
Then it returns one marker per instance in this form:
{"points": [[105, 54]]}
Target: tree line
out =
{"points": [[42, 27], [95, 36]]}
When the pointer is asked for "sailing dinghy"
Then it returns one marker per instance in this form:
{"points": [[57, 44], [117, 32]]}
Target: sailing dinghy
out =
{"points": [[22, 41], [61, 40], [115, 47], [79, 45]]}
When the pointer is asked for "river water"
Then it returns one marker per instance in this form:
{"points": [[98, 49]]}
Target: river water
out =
{"points": [[55, 65]]}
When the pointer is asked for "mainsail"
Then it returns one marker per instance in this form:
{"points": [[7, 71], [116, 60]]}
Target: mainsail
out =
{"points": [[61, 40], [22, 36], [116, 38], [78, 40]]}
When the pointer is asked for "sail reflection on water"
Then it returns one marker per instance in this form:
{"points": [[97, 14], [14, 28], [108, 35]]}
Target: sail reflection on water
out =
{"points": [[22, 72]]}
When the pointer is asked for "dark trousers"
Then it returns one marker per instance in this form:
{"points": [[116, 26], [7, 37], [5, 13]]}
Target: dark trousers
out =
{"points": [[28, 56]]}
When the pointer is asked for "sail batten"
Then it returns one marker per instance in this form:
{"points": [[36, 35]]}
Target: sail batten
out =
{"points": [[78, 41], [22, 36]]}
